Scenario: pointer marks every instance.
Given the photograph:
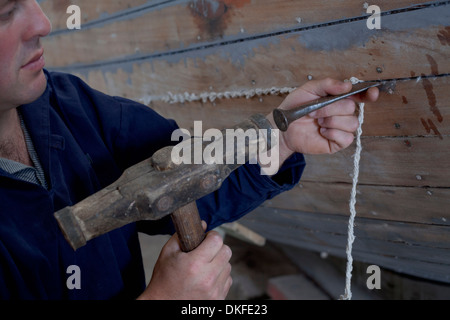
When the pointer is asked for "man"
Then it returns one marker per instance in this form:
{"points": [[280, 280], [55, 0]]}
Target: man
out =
{"points": [[61, 141]]}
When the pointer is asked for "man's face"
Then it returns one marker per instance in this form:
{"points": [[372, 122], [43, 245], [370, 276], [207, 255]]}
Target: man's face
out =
{"points": [[22, 80]]}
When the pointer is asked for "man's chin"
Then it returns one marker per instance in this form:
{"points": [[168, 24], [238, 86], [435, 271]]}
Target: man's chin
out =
{"points": [[35, 88]]}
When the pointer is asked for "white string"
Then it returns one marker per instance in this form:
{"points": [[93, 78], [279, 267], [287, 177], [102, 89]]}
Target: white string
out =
{"points": [[351, 235], [212, 96]]}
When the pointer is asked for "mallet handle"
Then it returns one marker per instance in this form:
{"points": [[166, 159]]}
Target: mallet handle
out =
{"points": [[186, 219]]}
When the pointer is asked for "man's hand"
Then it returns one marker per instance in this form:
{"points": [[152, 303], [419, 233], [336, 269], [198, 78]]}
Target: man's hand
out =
{"points": [[202, 274], [327, 130]]}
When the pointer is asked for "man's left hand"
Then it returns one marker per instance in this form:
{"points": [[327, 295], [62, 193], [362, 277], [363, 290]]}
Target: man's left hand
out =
{"points": [[327, 130]]}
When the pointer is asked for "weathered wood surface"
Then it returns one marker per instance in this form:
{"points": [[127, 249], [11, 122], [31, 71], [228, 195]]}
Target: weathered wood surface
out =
{"points": [[145, 49], [417, 249], [414, 205], [246, 60], [162, 26], [407, 112], [388, 161]]}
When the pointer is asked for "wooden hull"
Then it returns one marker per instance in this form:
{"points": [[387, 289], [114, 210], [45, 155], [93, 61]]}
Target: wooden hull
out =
{"points": [[144, 49]]}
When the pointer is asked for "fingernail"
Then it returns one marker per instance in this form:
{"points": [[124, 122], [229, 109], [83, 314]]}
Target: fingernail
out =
{"points": [[313, 114], [322, 130], [320, 121]]}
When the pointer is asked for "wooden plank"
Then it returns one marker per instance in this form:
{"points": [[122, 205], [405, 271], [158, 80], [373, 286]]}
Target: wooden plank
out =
{"points": [[420, 250], [419, 162], [274, 61], [415, 205], [253, 16], [181, 24], [271, 66], [329, 273], [416, 108], [240, 232], [91, 11], [407, 112], [371, 233]]}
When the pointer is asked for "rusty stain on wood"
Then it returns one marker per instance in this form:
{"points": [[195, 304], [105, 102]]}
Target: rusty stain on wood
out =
{"points": [[212, 17], [444, 36], [431, 126], [405, 100], [428, 86], [433, 64]]}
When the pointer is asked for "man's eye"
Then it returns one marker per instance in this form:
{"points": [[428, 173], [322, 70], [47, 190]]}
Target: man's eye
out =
{"points": [[6, 16]]}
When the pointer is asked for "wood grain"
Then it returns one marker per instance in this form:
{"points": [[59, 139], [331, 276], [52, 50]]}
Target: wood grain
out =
{"points": [[160, 28], [91, 11], [271, 60], [263, 63], [416, 249], [409, 161], [407, 204], [393, 115]]}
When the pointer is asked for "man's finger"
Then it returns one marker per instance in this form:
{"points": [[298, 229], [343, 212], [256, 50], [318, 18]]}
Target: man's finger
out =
{"points": [[344, 123], [173, 245], [327, 87], [313, 90], [222, 264], [370, 95], [223, 256], [340, 108], [338, 139], [210, 246], [224, 280], [221, 260]]}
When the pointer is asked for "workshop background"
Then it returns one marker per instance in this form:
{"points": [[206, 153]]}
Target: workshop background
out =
{"points": [[294, 248]]}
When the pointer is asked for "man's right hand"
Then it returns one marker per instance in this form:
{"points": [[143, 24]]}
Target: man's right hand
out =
{"points": [[202, 274]]}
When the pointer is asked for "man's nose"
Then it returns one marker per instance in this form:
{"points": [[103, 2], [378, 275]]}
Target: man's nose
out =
{"points": [[38, 23]]}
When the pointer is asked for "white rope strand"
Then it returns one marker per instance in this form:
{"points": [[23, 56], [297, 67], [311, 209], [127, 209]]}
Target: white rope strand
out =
{"points": [[212, 96], [351, 222], [351, 235]]}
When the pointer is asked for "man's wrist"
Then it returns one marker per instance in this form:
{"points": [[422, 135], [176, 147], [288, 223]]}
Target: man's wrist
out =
{"points": [[284, 152]]}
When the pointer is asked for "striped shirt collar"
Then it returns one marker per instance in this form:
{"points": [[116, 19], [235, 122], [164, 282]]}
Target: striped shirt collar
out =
{"points": [[21, 171]]}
